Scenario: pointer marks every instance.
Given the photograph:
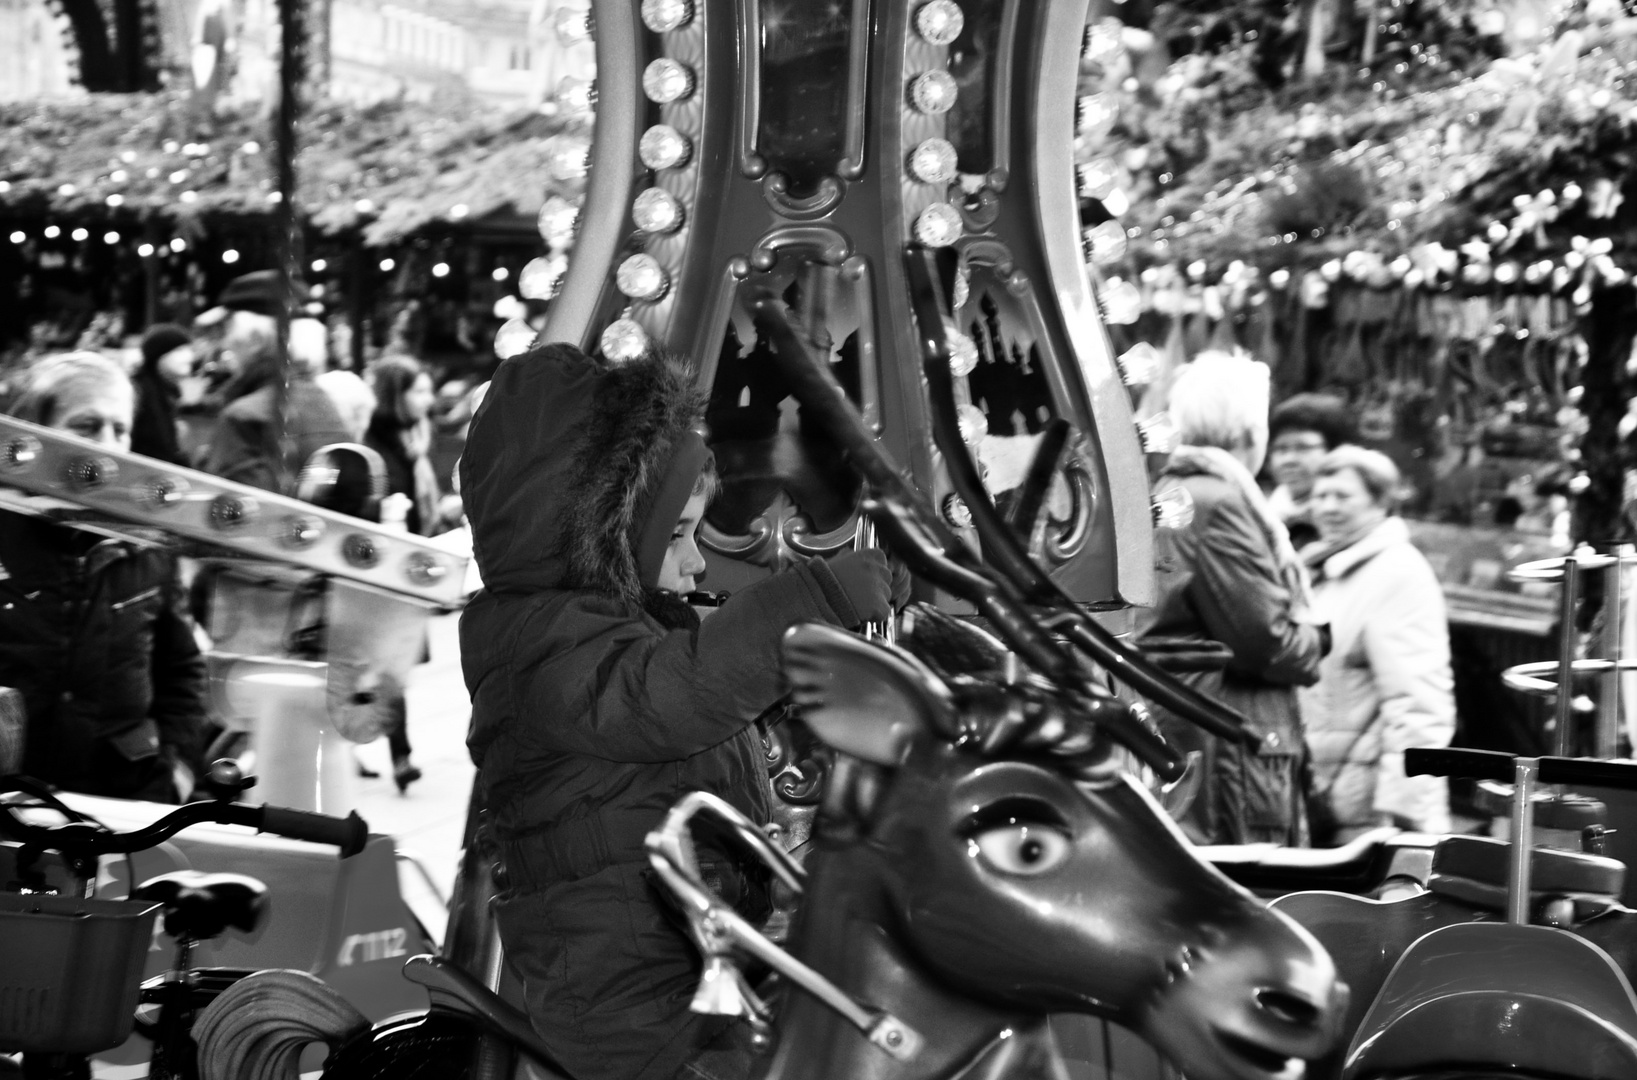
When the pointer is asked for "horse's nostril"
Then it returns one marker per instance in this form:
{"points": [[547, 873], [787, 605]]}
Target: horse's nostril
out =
{"points": [[1287, 1007]]}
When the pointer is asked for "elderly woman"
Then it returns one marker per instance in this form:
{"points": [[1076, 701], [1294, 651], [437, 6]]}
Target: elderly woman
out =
{"points": [[1231, 576], [1386, 685]]}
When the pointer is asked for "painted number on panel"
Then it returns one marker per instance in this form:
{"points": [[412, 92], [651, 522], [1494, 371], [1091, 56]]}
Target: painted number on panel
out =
{"points": [[379, 945]]}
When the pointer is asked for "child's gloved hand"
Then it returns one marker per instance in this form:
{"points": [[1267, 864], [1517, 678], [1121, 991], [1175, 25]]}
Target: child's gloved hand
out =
{"points": [[867, 581], [901, 582]]}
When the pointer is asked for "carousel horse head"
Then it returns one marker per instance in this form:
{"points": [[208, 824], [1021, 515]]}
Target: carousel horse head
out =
{"points": [[995, 833]]}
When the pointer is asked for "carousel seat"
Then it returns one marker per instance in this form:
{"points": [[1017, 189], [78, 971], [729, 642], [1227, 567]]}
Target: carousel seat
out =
{"points": [[1355, 867], [1474, 869]]}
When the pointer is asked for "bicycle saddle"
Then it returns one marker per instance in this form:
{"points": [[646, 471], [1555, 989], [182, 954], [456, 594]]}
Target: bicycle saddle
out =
{"points": [[201, 906], [1474, 869]]}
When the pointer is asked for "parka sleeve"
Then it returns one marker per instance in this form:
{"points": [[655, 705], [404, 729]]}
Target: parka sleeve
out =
{"points": [[592, 680], [1243, 604], [1406, 641]]}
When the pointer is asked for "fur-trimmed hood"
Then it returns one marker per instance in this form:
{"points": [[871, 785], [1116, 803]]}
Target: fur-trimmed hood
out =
{"points": [[563, 464]]}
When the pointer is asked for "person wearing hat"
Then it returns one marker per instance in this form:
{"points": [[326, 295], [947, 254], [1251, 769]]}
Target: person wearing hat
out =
{"points": [[599, 697], [167, 359]]}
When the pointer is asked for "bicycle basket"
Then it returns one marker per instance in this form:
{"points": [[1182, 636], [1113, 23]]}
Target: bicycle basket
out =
{"points": [[72, 971]]}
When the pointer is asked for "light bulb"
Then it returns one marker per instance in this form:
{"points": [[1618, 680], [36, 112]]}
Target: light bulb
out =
{"points": [[939, 21], [933, 161], [319, 266], [1098, 177], [573, 25], [179, 245], [539, 279], [663, 147], [144, 250], [80, 234], [576, 95], [641, 278], [663, 16], [18, 237], [1172, 508], [440, 269], [1105, 243], [116, 199], [52, 232], [570, 159], [1095, 114], [1104, 41], [973, 424], [230, 256], [1139, 364], [656, 211], [939, 225], [514, 338], [1122, 303], [1156, 434], [963, 353], [933, 92], [666, 80], [956, 512], [557, 220], [623, 341]]}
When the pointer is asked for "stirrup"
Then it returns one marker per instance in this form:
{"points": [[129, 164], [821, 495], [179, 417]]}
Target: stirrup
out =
{"points": [[720, 932]]}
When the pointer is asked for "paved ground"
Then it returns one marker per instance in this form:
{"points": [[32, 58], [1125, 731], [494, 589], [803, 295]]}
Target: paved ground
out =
{"points": [[428, 819]]}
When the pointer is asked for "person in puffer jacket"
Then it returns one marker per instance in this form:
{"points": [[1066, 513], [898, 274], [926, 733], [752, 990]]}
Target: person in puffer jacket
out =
{"points": [[599, 698]]}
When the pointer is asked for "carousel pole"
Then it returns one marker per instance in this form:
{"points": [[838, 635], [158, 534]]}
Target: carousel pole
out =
{"points": [[286, 240]]}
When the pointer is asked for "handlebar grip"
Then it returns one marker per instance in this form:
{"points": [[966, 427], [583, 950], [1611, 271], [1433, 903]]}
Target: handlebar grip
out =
{"points": [[350, 833], [1447, 761], [1610, 774]]}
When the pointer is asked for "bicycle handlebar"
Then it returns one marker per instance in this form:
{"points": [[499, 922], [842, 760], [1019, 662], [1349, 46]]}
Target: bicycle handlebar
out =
{"points": [[84, 839]]}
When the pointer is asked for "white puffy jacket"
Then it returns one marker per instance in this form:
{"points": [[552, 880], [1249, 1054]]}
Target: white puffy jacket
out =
{"points": [[1385, 686]]}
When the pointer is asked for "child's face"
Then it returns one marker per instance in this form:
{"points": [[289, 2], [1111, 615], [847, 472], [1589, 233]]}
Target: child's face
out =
{"points": [[683, 562]]}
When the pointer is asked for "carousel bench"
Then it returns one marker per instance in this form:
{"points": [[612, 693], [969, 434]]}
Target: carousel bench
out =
{"points": [[1356, 867], [1474, 869]]}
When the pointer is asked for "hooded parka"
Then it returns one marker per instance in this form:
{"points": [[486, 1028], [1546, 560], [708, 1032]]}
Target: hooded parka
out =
{"points": [[590, 719]]}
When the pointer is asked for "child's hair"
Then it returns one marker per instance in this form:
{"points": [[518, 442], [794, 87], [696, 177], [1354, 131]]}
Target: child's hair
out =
{"points": [[709, 483], [65, 376], [391, 377]]}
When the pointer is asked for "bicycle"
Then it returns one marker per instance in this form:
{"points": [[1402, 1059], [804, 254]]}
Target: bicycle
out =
{"points": [[73, 982]]}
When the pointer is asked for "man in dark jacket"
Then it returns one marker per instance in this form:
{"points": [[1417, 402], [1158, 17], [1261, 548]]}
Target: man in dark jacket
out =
{"points": [[1231, 576], [599, 699], [91, 630]]}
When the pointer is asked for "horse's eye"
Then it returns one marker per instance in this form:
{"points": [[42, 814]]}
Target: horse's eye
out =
{"points": [[1021, 849]]}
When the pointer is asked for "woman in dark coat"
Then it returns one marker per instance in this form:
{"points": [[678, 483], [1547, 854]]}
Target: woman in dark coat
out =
{"points": [[1231, 576], [400, 430], [167, 359]]}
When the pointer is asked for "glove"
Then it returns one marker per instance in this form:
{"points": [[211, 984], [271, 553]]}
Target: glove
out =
{"points": [[864, 577], [901, 582]]}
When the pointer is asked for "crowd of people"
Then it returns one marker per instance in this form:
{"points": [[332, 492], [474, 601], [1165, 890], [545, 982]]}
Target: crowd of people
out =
{"points": [[97, 634]]}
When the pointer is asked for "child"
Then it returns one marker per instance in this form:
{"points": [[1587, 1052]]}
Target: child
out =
{"points": [[599, 698]]}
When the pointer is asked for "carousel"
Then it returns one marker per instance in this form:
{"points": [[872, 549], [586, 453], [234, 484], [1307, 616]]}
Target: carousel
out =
{"points": [[864, 225]]}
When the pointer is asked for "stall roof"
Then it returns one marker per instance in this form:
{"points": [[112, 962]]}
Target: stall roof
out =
{"points": [[387, 170]]}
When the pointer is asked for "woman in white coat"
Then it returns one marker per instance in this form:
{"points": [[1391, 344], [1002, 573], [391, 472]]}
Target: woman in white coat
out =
{"points": [[1386, 684]]}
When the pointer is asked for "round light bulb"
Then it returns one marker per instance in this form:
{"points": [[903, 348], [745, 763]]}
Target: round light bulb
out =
{"points": [[933, 161], [52, 232], [1105, 243], [576, 95], [1139, 364], [112, 237], [570, 160], [939, 21], [963, 353], [939, 225], [440, 269], [319, 266], [1172, 508], [1095, 114], [573, 25], [663, 147], [230, 256], [80, 234], [1105, 41], [179, 245], [933, 92], [1098, 177], [388, 264], [18, 237], [623, 341], [1122, 303], [641, 278], [656, 211], [663, 16], [514, 338], [144, 250], [956, 512], [116, 199], [539, 279], [1156, 434], [666, 80], [973, 424], [557, 220]]}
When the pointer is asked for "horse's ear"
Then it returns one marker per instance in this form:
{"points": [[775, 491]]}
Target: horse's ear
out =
{"points": [[863, 699]]}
